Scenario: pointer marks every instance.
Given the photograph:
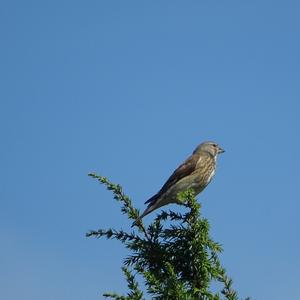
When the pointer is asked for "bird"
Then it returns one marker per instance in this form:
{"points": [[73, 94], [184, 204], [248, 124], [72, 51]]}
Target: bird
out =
{"points": [[195, 173]]}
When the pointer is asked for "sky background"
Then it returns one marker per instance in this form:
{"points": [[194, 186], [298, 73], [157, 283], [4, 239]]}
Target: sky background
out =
{"points": [[128, 89]]}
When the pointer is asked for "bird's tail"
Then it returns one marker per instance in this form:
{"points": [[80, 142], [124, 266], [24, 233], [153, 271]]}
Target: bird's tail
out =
{"points": [[148, 210], [153, 204], [152, 199]]}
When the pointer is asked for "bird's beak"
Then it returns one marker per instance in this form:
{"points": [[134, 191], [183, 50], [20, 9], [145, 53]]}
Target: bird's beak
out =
{"points": [[220, 150]]}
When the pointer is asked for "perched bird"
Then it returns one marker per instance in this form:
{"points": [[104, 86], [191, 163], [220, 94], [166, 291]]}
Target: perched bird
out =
{"points": [[195, 173]]}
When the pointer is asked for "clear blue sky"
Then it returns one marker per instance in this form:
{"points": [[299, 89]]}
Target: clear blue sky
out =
{"points": [[128, 89]]}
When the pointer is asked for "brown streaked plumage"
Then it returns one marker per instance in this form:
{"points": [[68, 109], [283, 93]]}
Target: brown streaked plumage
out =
{"points": [[194, 173]]}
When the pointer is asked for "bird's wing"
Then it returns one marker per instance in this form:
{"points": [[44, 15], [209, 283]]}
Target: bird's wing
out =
{"points": [[185, 169]]}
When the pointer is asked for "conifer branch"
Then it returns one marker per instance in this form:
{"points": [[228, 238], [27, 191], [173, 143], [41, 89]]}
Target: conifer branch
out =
{"points": [[176, 261]]}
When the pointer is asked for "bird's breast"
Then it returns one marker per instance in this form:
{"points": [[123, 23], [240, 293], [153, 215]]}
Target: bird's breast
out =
{"points": [[205, 173], [211, 175]]}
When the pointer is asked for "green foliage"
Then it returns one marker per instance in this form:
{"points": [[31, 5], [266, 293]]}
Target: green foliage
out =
{"points": [[176, 261]]}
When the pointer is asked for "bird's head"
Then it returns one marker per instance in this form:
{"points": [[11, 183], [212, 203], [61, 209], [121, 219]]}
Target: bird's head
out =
{"points": [[211, 147]]}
